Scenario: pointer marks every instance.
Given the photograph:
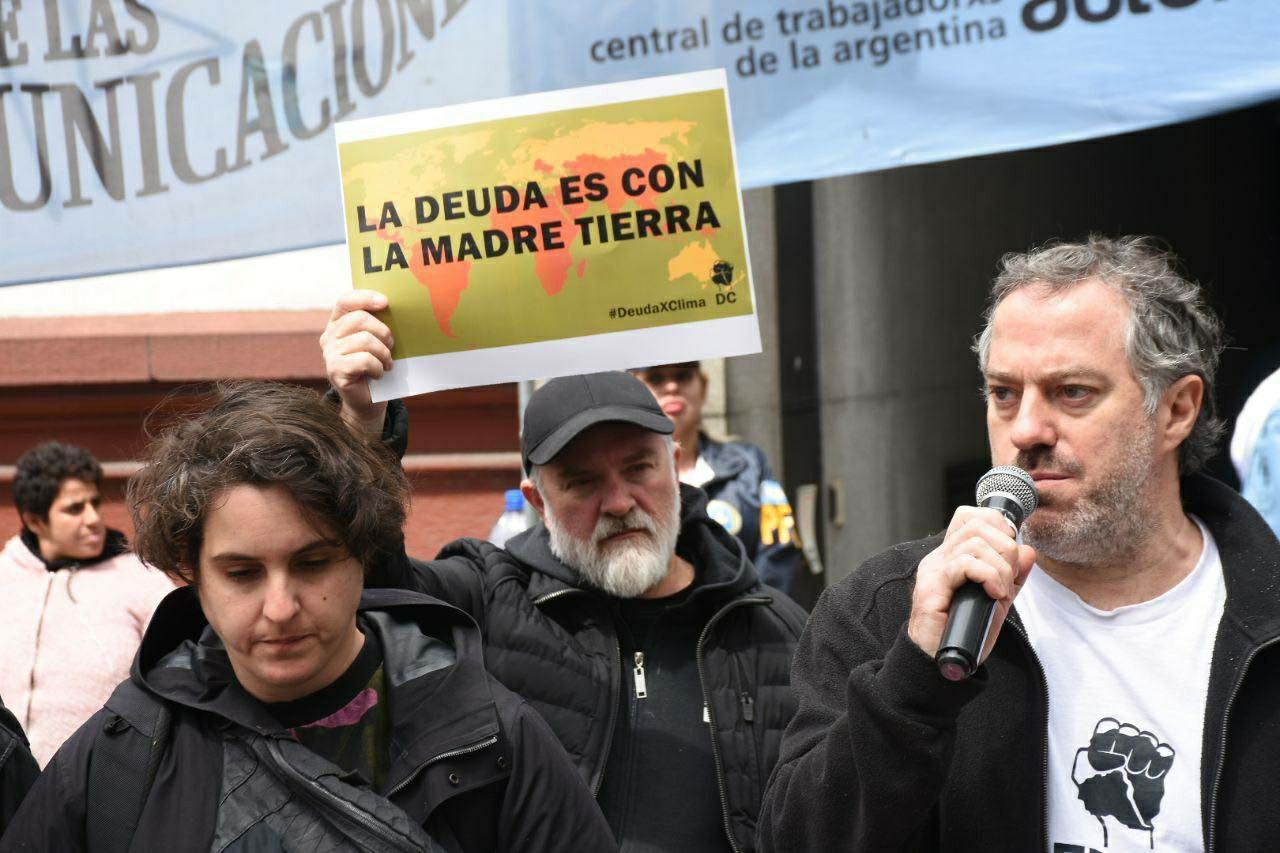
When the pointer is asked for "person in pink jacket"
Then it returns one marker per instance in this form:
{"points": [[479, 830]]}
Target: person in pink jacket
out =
{"points": [[74, 600]]}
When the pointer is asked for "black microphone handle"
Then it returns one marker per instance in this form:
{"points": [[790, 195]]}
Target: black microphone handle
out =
{"points": [[966, 631], [969, 619]]}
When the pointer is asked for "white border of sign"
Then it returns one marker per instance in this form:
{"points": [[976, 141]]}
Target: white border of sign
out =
{"points": [[727, 336], [565, 357], [358, 130]]}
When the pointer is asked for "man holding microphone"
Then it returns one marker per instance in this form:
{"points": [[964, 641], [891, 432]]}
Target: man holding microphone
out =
{"points": [[1119, 703]]}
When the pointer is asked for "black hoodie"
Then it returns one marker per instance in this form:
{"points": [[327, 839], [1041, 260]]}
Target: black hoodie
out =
{"points": [[554, 640], [472, 766]]}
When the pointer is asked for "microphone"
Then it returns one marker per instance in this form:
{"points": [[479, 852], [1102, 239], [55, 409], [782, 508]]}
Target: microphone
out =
{"points": [[1012, 491]]}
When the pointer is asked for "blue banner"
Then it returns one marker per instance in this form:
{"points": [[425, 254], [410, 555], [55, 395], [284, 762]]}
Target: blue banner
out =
{"points": [[135, 135]]}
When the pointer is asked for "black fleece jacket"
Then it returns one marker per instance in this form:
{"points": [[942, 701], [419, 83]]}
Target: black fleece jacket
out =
{"points": [[883, 754]]}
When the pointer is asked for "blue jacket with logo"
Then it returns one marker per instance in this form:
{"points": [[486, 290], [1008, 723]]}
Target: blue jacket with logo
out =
{"points": [[750, 504]]}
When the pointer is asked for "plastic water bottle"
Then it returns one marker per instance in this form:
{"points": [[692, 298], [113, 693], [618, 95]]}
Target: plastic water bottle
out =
{"points": [[512, 520]]}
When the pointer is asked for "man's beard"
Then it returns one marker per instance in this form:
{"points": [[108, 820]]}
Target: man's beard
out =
{"points": [[1108, 519], [628, 568]]}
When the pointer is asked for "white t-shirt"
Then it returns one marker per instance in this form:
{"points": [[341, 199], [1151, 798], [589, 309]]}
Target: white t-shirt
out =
{"points": [[1127, 691]]}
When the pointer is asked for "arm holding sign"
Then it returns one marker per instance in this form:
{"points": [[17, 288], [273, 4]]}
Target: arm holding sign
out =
{"points": [[357, 346]]}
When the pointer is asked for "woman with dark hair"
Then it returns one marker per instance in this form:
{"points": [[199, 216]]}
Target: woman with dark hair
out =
{"points": [[273, 704], [76, 599]]}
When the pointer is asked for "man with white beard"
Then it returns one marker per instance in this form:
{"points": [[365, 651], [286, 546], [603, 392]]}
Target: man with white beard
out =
{"points": [[628, 618], [1130, 697]]}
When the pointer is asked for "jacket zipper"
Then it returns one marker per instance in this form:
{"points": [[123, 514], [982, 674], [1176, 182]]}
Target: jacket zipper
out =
{"points": [[317, 793], [453, 753], [613, 699], [710, 712], [1222, 744], [560, 593], [1044, 735], [744, 697], [642, 690]]}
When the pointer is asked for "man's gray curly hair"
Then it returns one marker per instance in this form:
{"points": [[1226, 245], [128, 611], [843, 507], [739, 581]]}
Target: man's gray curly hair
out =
{"points": [[1172, 333]]}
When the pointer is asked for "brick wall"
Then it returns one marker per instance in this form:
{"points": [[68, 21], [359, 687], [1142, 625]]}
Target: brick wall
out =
{"points": [[93, 381]]}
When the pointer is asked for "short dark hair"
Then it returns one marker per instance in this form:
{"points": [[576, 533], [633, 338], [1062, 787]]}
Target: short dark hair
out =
{"points": [[265, 434], [41, 471]]}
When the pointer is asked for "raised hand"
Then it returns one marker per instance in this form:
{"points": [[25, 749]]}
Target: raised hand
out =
{"points": [[357, 347]]}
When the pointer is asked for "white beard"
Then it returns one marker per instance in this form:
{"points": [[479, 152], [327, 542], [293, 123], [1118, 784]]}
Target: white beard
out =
{"points": [[630, 567]]}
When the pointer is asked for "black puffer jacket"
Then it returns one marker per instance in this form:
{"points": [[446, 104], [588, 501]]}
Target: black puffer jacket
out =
{"points": [[472, 767], [553, 641], [886, 755]]}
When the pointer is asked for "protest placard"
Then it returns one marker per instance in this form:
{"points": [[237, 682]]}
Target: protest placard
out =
{"points": [[551, 234]]}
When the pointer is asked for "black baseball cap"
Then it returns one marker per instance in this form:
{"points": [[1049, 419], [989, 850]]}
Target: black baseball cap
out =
{"points": [[649, 367], [564, 407]]}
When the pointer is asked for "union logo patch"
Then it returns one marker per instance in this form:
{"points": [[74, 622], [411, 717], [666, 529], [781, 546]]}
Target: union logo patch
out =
{"points": [[726, 514]]}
